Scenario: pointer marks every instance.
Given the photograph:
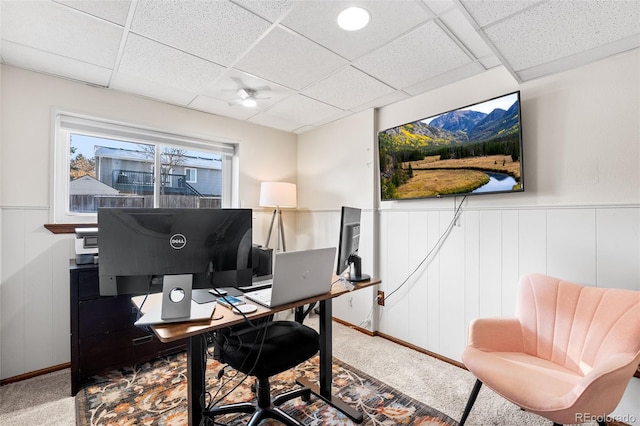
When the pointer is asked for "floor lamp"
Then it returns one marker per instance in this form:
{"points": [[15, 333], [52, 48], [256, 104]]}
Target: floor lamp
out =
{"points": [[277, 195]]}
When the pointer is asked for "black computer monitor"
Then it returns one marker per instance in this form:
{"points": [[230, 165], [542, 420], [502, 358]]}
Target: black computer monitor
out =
{"points": [[349, 244], [138, 246]]}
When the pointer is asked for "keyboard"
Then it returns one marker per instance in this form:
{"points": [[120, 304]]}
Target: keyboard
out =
{"points": [[262, 297], [258, 285]]}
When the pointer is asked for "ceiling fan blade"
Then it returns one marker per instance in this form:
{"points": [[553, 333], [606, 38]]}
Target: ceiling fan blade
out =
{"points": [[237, 81], [235, 102]]}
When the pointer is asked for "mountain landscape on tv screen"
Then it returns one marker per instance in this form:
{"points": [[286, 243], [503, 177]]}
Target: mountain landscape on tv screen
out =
{"points": [[459, 152]]}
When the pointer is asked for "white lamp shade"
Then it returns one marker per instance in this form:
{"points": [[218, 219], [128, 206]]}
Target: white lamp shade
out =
{"points": [[278, 194]]}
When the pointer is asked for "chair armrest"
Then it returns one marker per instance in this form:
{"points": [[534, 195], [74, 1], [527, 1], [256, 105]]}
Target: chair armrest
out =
{"points": [[496, 335], [623, 364], [601, 389]]}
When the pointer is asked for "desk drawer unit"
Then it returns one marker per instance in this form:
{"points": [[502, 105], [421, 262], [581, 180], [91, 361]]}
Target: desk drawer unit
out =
{"points": [[103, 336]]}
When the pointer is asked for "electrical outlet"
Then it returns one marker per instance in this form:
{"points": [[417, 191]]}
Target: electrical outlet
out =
{"points": [[380, 298]]}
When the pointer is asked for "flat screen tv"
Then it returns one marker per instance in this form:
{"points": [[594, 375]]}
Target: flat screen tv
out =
{"points": [[476, 149]]}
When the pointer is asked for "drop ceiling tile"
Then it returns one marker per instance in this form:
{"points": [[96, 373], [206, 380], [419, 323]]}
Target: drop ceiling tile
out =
{"points": [[219, 31], [490, 61], [151, 89], [49, 63], [115, 11], [328, 119], [445, 79], [561, 28], [389, 99], [226, 88], [271, 10], [347, 88], [389, 20], [219, 107], [275, 122], [410, 59], [579, 59], [486, 12], [289, 60], [155, 62], [301, 110], [60, 30]]}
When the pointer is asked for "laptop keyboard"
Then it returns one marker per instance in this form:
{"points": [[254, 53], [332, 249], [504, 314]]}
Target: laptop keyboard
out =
{"points": [[263, 296], [258, 285]]}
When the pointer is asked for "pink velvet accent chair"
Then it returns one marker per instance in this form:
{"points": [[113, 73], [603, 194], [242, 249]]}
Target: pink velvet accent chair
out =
{"points": [[567, 355]]}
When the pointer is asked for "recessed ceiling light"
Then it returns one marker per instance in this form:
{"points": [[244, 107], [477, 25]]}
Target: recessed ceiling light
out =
{"points": [[353, 18]]}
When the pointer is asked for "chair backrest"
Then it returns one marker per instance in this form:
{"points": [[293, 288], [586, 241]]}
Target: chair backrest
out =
{"points": [[577, 326]]}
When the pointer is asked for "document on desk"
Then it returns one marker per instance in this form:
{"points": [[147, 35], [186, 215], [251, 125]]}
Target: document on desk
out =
{"points": [[199, 312]]}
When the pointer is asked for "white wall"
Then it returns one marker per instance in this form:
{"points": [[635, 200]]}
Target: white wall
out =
{"points": [[336, 167], [34, 277], [578, 219]]}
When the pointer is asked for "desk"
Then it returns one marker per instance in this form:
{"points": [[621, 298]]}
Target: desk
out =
{"points": [[195, 347]]}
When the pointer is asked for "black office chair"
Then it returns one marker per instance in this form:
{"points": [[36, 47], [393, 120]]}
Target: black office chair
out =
{"points": [[249, 350]]}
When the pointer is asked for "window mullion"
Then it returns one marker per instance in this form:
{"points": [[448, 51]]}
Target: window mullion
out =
{"points": [[157, 175]]}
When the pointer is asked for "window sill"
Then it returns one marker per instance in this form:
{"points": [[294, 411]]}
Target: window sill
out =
{"points": [[67, 228]]}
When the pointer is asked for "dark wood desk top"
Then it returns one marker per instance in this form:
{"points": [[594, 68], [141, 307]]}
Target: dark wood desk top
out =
{"points": [[176, 331]]}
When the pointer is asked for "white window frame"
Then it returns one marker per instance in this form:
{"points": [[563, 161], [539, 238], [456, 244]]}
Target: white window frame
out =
{"points": [[193, 174], [65, 123]]}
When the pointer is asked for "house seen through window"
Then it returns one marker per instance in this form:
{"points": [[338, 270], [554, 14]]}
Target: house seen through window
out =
{"points": [[116, 173]]}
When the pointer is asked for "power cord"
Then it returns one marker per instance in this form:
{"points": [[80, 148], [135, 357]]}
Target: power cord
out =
{"points": [[216, 402], [139, 313], [430, 252]]}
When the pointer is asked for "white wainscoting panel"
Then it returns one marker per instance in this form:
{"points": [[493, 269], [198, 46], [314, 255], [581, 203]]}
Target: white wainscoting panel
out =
{"points": [[490, 287], [395, 241], [532, 241], [432, 273], [471, 225], [38, 290], [12, 323], [476, 270], [34, 287], [452, 326], [418, 245], [571, 249], [510, 256], [618, 248]]}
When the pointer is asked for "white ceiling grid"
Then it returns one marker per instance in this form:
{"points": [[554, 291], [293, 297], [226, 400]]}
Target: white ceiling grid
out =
{"points": [[198, 54]]}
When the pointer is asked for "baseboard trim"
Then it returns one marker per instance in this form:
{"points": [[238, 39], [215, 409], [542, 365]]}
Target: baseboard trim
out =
{"points": [[35, 373], [401, 343]]}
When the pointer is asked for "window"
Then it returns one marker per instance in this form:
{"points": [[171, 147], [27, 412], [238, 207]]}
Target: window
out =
{"points": [[191, 174], [105, 164]]}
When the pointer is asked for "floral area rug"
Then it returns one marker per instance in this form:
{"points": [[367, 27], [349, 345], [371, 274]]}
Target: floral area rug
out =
{"points": [[155, 393]]}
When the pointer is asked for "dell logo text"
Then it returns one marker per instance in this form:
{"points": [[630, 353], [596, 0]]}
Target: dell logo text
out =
{"points": [[178, 241]]}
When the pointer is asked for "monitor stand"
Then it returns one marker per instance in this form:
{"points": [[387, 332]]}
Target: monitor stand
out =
{"points": [[356, 275]]}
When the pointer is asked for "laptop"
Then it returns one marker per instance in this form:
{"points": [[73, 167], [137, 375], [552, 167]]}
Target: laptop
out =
{"points": [[177, 304], [297, 275]]}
